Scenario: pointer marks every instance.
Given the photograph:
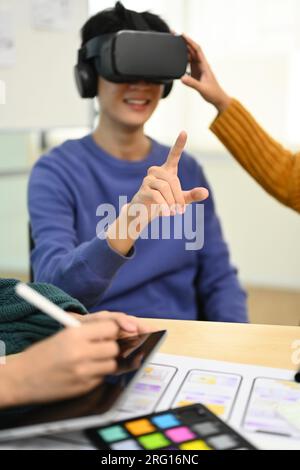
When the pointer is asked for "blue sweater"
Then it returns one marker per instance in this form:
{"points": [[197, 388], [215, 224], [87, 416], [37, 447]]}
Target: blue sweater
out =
{"points": [[160, 278]]}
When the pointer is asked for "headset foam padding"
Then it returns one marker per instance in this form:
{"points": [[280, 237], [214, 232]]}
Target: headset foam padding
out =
{"points": [[167, 90], [86, 80]]}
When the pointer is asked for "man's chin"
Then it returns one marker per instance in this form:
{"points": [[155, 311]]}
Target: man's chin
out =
{"points": [[134, 124]]}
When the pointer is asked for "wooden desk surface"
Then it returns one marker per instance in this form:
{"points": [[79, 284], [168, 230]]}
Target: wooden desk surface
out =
{"points": [[262, 345]]}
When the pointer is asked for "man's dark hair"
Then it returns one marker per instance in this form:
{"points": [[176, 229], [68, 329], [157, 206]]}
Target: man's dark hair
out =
{"points": [[116, 19]]}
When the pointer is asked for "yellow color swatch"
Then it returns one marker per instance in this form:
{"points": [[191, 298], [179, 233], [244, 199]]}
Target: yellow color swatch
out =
{"points": [[195, 445]]}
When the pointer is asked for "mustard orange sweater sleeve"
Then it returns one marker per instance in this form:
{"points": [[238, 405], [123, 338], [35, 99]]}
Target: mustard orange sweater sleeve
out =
{"points": [[272, 166]]}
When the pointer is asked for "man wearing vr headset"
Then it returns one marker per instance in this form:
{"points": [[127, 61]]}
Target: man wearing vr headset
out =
{"points": [[156, 278]]}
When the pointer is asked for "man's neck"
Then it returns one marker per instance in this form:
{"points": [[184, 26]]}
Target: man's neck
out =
{"points": [[121, 142]]}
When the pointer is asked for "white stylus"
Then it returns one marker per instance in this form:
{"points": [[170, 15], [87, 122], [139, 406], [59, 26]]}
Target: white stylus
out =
{"points": [[45, 305]]}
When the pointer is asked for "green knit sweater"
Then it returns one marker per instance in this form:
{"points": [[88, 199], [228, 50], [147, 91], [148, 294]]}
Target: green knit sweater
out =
{"points": [[21, 324]]}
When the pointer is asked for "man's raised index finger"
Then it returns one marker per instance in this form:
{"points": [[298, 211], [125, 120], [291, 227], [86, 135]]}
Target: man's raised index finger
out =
{"points": [[176, 151]]}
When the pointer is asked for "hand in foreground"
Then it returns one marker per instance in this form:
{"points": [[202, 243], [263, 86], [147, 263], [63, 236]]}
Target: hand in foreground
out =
{"points": [[70, 363]]}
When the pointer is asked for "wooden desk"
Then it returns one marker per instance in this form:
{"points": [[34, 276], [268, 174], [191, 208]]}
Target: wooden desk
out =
{"points": [[269, 346]]}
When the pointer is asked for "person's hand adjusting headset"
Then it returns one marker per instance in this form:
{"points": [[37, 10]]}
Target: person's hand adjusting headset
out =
{"points": [[202, 78]]}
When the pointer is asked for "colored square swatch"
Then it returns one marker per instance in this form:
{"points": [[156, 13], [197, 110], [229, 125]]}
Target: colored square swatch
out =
{"points": [[195, 445], [140, 427], [154, 441], [206, 429], [223, 442], [180, 434], [113, 434], [166, 421], [130, 444], [191, 417]]}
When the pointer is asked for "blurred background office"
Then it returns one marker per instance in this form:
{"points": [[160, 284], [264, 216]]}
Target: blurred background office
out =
{"points": [[254, 48]]}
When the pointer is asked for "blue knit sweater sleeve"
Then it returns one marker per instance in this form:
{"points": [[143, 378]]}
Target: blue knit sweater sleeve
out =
{"points": [[83, 270]]}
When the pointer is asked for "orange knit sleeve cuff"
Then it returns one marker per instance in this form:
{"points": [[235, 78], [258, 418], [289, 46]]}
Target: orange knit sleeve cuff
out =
{"points": [[231, 113]]}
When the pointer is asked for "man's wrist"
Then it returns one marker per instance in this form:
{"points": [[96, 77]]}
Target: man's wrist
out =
{"points": [[118, 234]]}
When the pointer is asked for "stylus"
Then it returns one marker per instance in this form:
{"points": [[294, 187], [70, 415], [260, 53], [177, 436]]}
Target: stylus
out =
{"points": [[45, 305]]}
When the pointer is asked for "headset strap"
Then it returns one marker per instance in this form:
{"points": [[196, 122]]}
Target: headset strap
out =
{"points": [[137, 21], [92, 47]]}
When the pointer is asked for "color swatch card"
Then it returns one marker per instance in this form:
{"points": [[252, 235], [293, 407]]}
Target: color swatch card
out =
{"points": [[186, 428]]}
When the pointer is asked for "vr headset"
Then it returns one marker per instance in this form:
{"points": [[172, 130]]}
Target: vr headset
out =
{"points": [[131, 56]]}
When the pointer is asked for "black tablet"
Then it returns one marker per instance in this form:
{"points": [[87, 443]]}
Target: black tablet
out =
{"points": [[96, 408]]}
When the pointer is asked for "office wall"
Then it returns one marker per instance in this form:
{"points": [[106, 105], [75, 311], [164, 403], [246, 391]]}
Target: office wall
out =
{"points": [[14, 244], [40, 91], [263, 235]]}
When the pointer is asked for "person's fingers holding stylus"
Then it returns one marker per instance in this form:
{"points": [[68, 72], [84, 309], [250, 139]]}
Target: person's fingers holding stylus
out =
{"points": [[69, 363], [103, 350], [89, 375], [128, 324], [97, 330], [97, 370]]}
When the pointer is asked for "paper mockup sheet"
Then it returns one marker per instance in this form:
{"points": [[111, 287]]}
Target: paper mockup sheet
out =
{"points": [[261, 403]]}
